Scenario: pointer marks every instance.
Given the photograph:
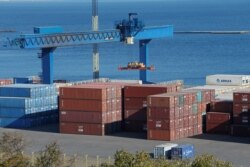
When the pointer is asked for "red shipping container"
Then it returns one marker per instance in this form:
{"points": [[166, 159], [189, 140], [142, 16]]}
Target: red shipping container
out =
{"points": [[135, 103], [83, 105], [87, 117], [161, 124], [88, 92], [135, 126], [143, 90], [221, 106], [82, 128], [217, 128], [218, 117], [159, 112], [161, 135], [136, 115], [241, 97], [163, 100], [240, 130], [241, 119], [239, 108]]}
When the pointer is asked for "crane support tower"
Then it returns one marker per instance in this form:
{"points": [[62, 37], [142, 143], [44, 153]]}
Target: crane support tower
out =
{"points": [[95, 27], [49, 38]]}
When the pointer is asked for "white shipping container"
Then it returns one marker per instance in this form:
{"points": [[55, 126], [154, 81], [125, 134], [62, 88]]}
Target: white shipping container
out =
{"points": [[228, 80], [164, 150]]}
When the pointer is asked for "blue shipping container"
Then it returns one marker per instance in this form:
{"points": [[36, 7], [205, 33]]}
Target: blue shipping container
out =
{"points": [[27, 90], [183, 152]]}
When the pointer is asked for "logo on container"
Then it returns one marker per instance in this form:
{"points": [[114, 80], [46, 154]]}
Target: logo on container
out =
{"points": [[224, 80]]}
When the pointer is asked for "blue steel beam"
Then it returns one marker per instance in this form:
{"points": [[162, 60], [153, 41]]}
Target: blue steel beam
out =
{"points": [[33, 41], [143, 45], [47, 65]]}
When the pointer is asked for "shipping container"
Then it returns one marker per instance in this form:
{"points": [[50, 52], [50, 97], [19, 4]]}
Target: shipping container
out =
{"points": [[85, 116], [160, 112], [27, 90], [239, 108], [216, 128], [163, 100], [228, 80], [164, 150], [219, 117], [183, 152], [167, 135], [85, 92], [136, 115], [240, 130], [241, 97], [90, 128], [161, 124], [144, 90], [221, 106], [83, 105], [135, 103], [135, 126], [241, 119]]}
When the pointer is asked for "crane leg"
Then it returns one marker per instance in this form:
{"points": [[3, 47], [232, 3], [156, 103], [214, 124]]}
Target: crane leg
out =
{"points": [[47, 65], [143, 45], [95, 61]]}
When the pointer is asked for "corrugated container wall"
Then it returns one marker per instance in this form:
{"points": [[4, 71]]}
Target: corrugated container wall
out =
{"points": [[28, 105]]}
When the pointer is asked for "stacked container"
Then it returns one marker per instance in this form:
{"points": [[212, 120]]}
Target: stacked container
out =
{"points": [[135, 104], [219, 117], [218, 123], [28, 105], [90, 109], [173, 116], [241, 113]]}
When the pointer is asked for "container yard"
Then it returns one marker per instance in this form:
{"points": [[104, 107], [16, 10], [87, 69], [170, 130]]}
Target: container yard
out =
{"points": [[96, 118]]}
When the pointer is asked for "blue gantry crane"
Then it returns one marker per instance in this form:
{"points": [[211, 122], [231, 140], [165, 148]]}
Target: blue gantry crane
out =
{"points": [[128, 30]]}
